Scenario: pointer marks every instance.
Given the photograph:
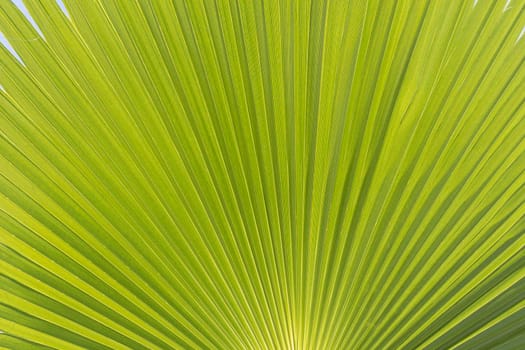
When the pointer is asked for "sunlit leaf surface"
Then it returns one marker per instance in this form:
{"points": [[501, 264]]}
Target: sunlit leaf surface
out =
{"points": [[262, 174]]}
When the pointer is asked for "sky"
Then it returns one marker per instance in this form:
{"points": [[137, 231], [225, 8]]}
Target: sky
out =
{"points": [[20, 4]]}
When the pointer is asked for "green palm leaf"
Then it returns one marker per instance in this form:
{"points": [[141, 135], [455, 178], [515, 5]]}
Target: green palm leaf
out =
{"points": [[270, 174]]}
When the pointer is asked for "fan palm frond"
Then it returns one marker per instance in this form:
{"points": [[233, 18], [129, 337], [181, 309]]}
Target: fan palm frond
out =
{"points": [[270, 174]]}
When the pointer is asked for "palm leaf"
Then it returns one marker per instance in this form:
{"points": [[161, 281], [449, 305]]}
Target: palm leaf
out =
{"points": [[231, 174]]}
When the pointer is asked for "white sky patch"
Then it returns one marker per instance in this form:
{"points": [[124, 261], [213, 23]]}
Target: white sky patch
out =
{"points": [[7, 45], [22, 7], [475, 3], [25, 11], [63, 8]]}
